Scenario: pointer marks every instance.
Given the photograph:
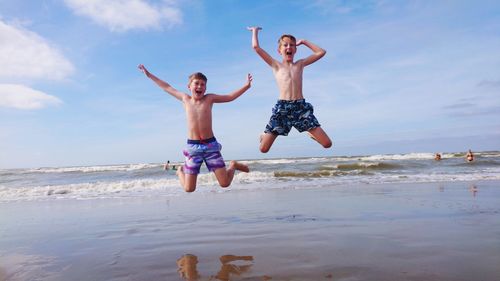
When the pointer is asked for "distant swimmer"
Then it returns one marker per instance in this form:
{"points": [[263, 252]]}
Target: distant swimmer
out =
{"points": [[167, 167], [437, 157], [470, 156]]}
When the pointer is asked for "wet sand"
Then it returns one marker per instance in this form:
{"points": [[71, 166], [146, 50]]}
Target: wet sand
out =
{"points": [[429, 231]]}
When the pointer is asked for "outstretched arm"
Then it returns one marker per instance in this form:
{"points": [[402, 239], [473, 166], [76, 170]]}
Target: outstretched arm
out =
{"points": [[234, 95], [162, 84], [317, 51], [255, 45]]}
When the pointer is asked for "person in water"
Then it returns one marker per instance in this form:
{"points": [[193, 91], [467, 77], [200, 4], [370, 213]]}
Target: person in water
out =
{"points": [[469, 156], [437, 157]]}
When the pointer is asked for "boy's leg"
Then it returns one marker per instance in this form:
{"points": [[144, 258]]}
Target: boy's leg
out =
{"points": [[266, 141], [225, 176], [188, 181], [320, 136]]}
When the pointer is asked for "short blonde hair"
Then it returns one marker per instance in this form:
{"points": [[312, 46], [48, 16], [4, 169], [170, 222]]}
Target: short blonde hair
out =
{"points": [[286, 36], [197, 75]]}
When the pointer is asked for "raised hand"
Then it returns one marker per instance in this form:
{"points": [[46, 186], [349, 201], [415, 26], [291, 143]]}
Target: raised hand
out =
{"points": [[254, 28], [143, 69], [249, 79]]}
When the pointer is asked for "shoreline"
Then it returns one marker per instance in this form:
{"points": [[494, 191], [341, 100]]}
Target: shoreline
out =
{"points": [[139, 180], [420, 231]]}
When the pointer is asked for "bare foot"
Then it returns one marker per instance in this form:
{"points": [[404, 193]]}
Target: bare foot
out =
{"points": [[239, 166]]}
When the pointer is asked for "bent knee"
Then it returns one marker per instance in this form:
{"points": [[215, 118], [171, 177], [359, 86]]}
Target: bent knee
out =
{"points": [[189, 189], [224, 184], [328, 144], [264, 149]]}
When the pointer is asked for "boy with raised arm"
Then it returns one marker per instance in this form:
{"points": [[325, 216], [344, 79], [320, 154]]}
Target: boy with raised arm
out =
{"points": [[291, 110], [201, 144]]}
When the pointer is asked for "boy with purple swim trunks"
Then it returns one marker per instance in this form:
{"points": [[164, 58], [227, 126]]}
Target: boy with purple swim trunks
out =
{"points": [[201, 145], [199, 151], [291, 110]]}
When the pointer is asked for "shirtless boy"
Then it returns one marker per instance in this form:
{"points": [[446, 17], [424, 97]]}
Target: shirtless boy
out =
{"points": [[201, 144], [291, 110]]}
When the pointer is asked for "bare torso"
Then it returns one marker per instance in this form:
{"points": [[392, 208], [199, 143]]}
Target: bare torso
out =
{"points": [[289, 79], [199, 117]]}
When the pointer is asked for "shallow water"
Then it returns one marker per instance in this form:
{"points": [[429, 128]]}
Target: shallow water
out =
{"points": [[151, 180]]}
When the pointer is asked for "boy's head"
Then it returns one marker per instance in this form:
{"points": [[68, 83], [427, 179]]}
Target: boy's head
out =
{"points": [[287, 47], [197, 84]]}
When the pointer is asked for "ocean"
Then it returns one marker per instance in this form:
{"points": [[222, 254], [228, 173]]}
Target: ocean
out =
{"points": [[151, 180]]}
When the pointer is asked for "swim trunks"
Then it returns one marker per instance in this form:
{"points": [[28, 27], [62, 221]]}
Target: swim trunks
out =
{"points": [[291, 113], [199, 151]]}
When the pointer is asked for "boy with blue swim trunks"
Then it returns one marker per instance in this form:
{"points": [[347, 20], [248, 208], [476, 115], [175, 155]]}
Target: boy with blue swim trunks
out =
{"points": [[201, 145], [291, 110]]}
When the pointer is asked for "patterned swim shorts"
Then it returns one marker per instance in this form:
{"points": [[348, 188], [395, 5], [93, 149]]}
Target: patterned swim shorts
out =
{"points": [[199, 151], [291, 113]]}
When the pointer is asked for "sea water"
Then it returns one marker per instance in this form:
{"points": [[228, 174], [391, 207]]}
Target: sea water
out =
{"points": [[136, 180]]}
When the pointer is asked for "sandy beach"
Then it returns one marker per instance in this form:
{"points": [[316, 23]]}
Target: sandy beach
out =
{"points": [[424, 231]]}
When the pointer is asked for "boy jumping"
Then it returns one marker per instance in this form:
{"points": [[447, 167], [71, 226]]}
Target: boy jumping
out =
{"points": [[201, 144], [291, 110]]}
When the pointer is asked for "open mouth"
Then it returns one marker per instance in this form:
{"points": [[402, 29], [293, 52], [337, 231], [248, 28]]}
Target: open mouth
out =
{"points": [[288, 53], [199, 92]]}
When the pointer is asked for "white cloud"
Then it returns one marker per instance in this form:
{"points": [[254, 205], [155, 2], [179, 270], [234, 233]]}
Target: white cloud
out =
{"points": [[25, 55], [124, 15], [23, 97]]}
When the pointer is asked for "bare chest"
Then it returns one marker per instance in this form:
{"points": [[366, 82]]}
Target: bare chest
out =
{"points": [[198, 110], [288, 73]]}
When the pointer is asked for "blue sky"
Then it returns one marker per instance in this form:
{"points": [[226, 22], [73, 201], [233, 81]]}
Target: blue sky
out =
{"points": [[398, 77]]}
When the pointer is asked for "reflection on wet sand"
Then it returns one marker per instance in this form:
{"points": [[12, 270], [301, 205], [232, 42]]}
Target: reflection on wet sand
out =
{"points": [[473, 190], [187, 267]]}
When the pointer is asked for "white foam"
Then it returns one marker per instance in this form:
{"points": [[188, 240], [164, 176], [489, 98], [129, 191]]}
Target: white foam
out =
{"points": [[488, 154], [262, 176], [254, 176], [94, 169], [88, 190], [409, 156], [208, 183]]}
